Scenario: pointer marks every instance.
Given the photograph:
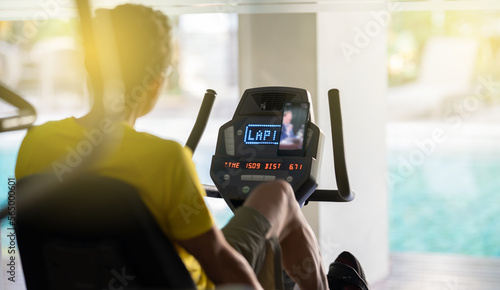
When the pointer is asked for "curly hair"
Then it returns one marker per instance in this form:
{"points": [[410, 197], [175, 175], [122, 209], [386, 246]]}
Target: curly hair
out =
{"points": [[143, 41]]}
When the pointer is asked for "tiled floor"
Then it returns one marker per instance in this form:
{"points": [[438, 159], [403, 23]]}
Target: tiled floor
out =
{"points": [[441, 272]]}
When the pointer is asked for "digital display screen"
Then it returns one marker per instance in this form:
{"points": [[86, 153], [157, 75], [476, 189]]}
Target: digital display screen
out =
{"points": [[262, 134], [263, 165]]}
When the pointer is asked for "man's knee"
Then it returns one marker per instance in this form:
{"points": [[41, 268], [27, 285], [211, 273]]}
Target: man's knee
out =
{"points": [[276, 202], [278, 191]]}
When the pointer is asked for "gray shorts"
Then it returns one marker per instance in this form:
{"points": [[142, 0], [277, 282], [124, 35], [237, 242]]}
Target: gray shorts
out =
{"points": [[246, 232]]}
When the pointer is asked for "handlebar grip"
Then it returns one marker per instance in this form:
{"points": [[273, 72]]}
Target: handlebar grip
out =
{"points": [[201, 120]]}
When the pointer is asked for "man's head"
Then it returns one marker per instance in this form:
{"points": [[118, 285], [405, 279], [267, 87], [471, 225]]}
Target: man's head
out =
{"points": [[143, 43]]}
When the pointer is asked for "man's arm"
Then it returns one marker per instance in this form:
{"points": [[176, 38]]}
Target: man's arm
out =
{"points": [[221, 263]]}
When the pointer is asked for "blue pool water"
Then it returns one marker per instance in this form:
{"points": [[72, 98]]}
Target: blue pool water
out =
{"points": [[449, 204], [9, 145]]}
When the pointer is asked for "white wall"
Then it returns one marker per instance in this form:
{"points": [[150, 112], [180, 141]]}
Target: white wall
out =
{"points": [[355, 62], [277, 49], [304, 50]]}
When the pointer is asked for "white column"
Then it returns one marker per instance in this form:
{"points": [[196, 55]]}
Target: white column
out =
{"points": [[277, 50], [317, 53], [352, 58]]}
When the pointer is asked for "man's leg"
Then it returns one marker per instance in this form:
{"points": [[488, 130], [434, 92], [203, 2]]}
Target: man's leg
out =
{"points": [[300, 253]]}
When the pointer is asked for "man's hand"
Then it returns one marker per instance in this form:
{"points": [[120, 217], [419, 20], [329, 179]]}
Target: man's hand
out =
{"points": [[221, 263]]}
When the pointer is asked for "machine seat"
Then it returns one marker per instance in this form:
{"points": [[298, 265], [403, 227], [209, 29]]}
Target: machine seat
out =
{"points": [[93, 232]]}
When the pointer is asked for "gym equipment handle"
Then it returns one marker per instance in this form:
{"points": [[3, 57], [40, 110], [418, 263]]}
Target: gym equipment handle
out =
{"points": [[201, 120]]}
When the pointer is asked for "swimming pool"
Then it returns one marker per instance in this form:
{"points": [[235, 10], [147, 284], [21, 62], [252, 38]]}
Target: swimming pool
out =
{"points": [[449, 204], [446, 197]]}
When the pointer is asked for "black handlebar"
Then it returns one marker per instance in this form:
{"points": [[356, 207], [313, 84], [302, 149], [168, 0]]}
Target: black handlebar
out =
{"points": [[201, 120], [344, 193], [25, 116]]}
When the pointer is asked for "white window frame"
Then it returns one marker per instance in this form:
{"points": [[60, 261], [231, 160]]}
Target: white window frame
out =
{"points": [[44, 9]]}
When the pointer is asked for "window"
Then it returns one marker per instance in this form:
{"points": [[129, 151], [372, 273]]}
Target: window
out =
{"points": [[443, 132]]}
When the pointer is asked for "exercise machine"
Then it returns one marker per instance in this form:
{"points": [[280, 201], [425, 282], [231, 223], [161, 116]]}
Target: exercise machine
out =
{"points": [[272, 135]]}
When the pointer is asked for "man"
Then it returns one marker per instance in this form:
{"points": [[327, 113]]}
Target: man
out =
{"points": [[164, 174], [287, 127]]}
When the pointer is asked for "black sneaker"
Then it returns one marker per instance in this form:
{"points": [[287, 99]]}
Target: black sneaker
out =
{"points": [[346, 274]]}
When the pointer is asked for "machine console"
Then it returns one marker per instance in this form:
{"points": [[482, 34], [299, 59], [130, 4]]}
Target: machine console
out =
{"points": [[272, 136]]}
